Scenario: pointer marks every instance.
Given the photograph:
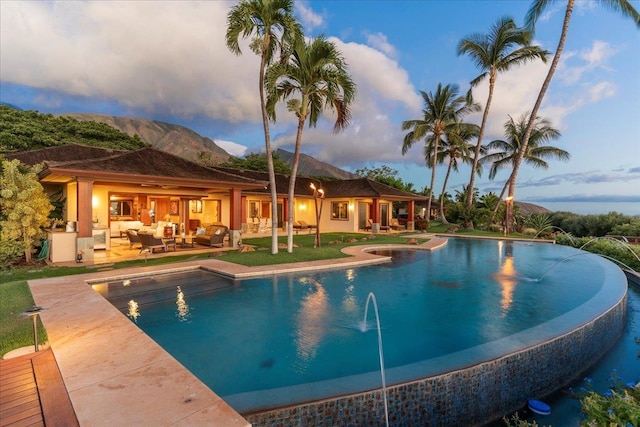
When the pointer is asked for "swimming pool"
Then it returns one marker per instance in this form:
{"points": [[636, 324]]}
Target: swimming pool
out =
{"points": [[284, 340]]}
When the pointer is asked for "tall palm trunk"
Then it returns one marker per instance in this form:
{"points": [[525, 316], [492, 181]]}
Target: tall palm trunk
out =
{"points": [[495, 210], [269, 153], [292, 180], [434, 162], [476, 154], [443, 218], [534, 112]]}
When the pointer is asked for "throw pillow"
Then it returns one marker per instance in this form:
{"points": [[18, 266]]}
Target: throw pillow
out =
{"points": [[200, 231], [217, 231]]}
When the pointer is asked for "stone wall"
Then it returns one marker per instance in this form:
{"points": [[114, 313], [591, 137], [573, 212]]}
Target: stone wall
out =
{"points": [[472, 396]]}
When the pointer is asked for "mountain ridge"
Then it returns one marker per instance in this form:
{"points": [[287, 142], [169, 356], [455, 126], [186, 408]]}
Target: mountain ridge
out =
{"points": [[186, 143]]}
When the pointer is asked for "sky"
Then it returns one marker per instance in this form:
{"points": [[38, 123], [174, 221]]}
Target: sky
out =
{"points": [[168, 61]]}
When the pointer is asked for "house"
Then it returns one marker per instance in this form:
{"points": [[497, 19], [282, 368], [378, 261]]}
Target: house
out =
{"points": [[106, 190]]}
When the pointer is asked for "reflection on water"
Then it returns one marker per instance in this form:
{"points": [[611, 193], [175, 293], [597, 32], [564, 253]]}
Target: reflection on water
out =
{"points": [[507, 276], [311, 319], [133, 312], [182, 313]]}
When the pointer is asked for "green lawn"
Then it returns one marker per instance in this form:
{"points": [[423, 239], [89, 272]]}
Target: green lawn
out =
{"points": [[16, 330]]}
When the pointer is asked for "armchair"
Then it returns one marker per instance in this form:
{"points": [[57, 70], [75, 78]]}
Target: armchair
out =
{"points": [[133, 237], [151, 242]]}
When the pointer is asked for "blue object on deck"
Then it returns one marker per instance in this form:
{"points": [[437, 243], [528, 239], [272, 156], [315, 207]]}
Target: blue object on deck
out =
{"points": [[539, 407]]}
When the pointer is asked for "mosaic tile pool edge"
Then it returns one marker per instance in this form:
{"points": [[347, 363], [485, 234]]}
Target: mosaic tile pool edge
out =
{"points": [[473, 396]]}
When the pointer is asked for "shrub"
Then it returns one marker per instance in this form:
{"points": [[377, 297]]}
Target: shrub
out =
{"points": [[10, 252], [630, 229], [539, 222], [611, 248], [590, 225]]}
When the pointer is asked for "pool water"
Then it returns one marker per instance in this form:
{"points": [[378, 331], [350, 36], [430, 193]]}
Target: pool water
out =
{"points": [[283, 331]]}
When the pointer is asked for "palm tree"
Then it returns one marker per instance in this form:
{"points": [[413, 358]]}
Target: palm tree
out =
{"points": [[503, 47], [440, 110], [264, 20], [535, 11], [505, 152], [454, 146], [317, 75]]}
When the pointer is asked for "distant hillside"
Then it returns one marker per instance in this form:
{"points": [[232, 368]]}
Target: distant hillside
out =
{"points": [[171, 138], [527, 209], [32, 130], [309, 166]]}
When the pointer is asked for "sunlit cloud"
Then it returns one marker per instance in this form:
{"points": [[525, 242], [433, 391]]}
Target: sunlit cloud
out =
{"points": [[309, 19], [379, 41]]}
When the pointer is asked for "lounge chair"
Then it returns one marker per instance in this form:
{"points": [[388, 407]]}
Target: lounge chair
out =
{"points": [[395, 225], [151, 242], [304, 225], [301, 226], [133, 237]]}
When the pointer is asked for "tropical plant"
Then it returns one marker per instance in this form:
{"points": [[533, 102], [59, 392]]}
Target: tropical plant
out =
{"points": [[386, 175], [503, 153], [504, 47], [454, 147], [263, 21], [314, 77], [441, 109], [26, 209], [257, 162], [539, 222], [489, 200], [535, 11]]}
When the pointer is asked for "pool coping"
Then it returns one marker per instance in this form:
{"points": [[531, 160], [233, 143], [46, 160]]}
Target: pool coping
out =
{"points": [[116, 374]]}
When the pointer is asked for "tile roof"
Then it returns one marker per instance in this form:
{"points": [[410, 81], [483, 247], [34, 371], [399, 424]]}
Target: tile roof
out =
{"points": [[61, 153], [361, 187], [143, 165], [151, 165]]}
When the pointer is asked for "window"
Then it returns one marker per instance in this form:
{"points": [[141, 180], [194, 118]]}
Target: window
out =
{"points": [[121, 208], [340, 210]]}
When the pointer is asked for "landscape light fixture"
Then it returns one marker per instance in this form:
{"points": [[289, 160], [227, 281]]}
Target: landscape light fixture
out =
{"points": [[318, 193]]}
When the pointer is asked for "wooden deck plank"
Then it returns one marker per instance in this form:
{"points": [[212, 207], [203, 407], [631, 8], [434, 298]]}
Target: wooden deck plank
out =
{"points": [[15, 417], [54, 398], [9, 381], [32, 393], [17, 400], [33, 421], [18, 389]]}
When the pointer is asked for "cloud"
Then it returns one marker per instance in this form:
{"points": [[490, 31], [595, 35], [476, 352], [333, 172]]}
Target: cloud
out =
{"points": [[231, 147], [93, 49], [574, 65], [384, 91], [309, 19], [587, 177], [379, 41], [600, 198]]}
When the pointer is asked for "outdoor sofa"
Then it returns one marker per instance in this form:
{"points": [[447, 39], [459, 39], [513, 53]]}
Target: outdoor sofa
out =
{"points": [[211, 235]]}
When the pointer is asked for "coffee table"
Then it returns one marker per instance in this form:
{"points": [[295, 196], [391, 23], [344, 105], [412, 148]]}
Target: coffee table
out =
{"points": [[186, 241]]}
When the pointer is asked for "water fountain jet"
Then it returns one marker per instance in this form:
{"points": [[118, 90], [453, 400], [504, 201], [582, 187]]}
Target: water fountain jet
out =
{"points": [[363, 328]]}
